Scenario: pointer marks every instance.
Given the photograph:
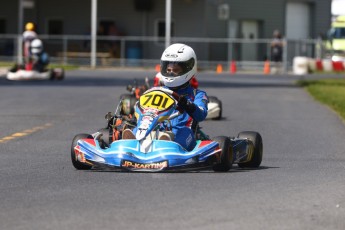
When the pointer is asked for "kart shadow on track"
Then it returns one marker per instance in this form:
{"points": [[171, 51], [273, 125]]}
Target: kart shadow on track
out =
{"points": [[235, 169], [239, 169]]}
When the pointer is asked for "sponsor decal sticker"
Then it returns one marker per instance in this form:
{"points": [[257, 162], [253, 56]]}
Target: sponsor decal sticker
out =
{"points": [[171, 55], [151, 166], [189, 139]]}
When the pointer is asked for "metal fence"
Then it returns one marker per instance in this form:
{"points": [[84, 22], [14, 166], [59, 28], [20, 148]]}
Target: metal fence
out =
{"points": [[113, 51]]}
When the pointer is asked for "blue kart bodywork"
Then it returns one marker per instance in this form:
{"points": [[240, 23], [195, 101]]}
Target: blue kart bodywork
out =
{"points": [[165, 155]]}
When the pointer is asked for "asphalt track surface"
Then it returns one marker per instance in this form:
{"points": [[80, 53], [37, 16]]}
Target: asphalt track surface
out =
{"points": [[300, 184]]}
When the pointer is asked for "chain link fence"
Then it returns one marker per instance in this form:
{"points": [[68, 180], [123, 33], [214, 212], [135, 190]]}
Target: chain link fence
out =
{"points": [[132, 51]]}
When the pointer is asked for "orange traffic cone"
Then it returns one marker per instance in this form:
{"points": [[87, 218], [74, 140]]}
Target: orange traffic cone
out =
{"points": [[219, 68], [158, 68], [267, 69], [233, 67]]}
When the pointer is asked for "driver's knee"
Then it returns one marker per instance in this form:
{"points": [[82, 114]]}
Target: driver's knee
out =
{"points": [[185, 138]]}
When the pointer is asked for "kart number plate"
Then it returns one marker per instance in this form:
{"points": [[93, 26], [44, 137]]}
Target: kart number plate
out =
{"points": [[144, 166], [156, 100]]}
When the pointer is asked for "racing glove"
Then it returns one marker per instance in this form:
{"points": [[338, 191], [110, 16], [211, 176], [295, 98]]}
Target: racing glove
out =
{"points": [[186, 105]]}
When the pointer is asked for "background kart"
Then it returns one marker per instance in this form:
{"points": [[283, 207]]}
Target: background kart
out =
{"points": [[147, 153], [215, 108], [23, 74]]}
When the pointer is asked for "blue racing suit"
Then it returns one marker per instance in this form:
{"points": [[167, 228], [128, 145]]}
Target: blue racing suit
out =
{"points": [[181, 125], [41, 61]]}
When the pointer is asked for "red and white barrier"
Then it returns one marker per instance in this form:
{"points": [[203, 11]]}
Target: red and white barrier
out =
{"points": [[305, 65]]}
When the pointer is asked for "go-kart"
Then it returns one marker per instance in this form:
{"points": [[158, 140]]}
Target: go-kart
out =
{"points": [[148, 153], [19, 73], [215, 108]]}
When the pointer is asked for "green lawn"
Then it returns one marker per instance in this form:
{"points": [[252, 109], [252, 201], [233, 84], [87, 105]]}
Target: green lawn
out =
{"points": [[6, 64], [330, 92]]}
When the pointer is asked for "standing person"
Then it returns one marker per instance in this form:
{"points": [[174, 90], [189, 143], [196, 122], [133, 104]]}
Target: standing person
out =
{"points": [[28, 35], [40, 58], [178, 67], [114, 45], [277, 51]]}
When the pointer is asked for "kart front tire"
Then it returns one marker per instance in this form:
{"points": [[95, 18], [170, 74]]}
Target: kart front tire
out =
{"points": [[59, 74], [226, 156], [77, 164], [256, 159]]}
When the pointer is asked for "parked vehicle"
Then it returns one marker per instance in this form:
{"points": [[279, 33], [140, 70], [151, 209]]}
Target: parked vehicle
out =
{"points": [[335, 45]]}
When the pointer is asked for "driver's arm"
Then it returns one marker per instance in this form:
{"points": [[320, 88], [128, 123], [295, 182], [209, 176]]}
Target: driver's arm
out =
{"points": [[196, 109]]}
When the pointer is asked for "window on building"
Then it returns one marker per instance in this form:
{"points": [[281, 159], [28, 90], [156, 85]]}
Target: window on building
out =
{"points": [[143, 5], [2, 26], [160, 28], [55, 27], [104, 26]]}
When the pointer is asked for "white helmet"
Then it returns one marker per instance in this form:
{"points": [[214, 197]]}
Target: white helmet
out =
{"points": [[182, 56], [36, 46]]}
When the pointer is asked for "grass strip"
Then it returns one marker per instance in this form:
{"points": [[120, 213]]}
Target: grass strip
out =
{"points": [[330, 92]]}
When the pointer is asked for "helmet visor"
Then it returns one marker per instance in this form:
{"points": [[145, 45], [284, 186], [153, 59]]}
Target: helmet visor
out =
{"points": [[175, 69]]}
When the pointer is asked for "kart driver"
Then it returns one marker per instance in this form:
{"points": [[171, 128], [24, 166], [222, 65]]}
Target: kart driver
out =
{"points": [[28, 36], [39, 57], [178, 67]]}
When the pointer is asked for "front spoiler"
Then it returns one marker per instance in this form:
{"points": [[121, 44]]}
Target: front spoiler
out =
{"points": [[183, 168], [167, 157]]}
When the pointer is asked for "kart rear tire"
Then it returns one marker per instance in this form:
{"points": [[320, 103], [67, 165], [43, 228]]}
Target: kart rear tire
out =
{"points": [[59, 76], [51, 75], [77, 164], [219, 102], [132, 100], [258, 149], [226, 156]]}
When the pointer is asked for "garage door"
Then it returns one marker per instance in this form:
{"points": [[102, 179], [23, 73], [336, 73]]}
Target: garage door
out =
{"points": [[297, 20]]}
